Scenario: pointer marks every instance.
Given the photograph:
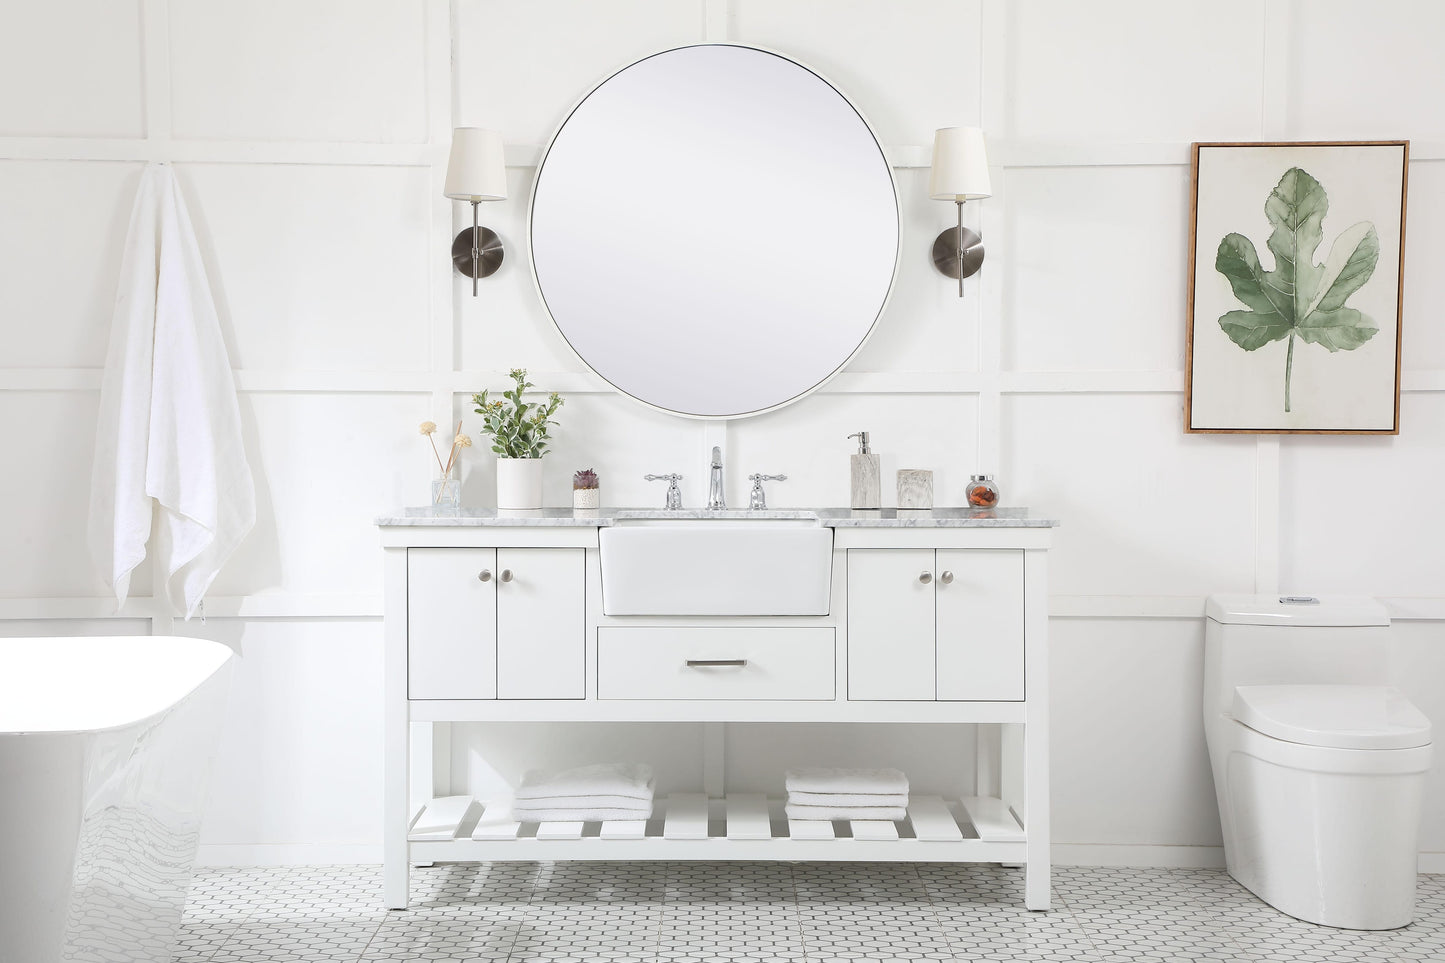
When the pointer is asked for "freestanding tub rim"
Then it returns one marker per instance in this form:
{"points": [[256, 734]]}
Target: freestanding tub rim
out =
{"points": [[74, 684]]}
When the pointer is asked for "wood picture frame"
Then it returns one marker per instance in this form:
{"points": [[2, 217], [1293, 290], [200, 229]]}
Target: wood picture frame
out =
{"points": [[1265, 307]]}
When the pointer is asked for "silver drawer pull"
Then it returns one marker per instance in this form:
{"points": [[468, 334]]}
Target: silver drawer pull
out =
{"points": [[925, 577], [485, 575], [946, 578], [703, 663], [506, 575]]}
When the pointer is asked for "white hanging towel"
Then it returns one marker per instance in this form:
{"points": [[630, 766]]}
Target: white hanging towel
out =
{"points": [[169, 432]]}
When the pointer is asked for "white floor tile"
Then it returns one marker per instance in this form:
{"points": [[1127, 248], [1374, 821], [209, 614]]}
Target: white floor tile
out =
{"points": [[792, 913]]}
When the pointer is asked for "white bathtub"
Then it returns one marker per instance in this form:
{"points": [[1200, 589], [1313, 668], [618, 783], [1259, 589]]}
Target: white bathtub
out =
{"points": [[105, 752]]}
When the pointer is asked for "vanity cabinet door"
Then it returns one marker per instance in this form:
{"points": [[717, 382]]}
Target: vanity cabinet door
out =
{"points": [[980, 599], [541, 623], [890, 624], [451, 623]]}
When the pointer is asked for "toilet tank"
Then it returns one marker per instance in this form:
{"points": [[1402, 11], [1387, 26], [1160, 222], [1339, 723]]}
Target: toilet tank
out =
{"points": [[1282, 640]]}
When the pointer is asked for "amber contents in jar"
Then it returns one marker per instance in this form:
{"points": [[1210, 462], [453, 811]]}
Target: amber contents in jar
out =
{"points": [[982, 492]]}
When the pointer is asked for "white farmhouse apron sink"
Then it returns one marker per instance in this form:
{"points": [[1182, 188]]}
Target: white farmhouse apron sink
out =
{"points": [[716, 566]]}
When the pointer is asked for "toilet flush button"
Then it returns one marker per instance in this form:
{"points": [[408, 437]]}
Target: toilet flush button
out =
{"points": [[1298, 600]]}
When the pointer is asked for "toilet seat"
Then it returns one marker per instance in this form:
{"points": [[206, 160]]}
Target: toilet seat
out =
{"points": [[1237, 740], [1332, 716]]}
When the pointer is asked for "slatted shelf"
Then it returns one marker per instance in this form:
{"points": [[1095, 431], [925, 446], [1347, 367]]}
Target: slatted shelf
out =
{"points": [[686, 816], [623, 829], [747, 816], [932, 821], [441, 818], [873, 829], [496, 822], [741, 826], [992, 819]]}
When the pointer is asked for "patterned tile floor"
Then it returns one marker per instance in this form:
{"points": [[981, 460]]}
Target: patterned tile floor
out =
{"points": [[681, 912]]}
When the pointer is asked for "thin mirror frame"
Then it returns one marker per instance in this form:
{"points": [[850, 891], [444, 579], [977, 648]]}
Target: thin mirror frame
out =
{"points": [[887, 295]]}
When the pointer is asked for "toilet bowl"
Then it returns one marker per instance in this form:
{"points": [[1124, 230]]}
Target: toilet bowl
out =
{"points": [[1319, 765]]}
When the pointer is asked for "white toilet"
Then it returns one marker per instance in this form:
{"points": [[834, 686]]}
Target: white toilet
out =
{"points": [[1319, 765]]}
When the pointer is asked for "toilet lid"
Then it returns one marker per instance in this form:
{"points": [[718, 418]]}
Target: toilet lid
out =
{"points": [[1336, 716]]}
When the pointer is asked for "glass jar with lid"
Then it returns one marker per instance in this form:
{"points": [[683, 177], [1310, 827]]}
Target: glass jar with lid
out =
{"points": [[982, 492]]}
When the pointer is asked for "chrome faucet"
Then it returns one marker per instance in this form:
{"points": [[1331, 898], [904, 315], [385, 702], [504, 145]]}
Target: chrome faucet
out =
{"points": [[716, 500]]}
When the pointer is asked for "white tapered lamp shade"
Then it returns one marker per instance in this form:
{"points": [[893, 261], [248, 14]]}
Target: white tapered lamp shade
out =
{"points": [[960, 165], [477, 168]]}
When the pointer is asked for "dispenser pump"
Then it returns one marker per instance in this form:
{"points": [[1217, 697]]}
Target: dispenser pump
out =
{"points": [[864, 475]]}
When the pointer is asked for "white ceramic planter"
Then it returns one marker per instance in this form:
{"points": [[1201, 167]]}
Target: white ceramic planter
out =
{"points": [[586, 498], [519, 483]]}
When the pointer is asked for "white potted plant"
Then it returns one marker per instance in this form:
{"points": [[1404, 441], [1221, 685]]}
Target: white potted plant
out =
{"points": [[519, 437]]}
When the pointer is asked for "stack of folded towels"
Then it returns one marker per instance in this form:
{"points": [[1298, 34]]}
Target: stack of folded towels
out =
{"points": [[847, 794], [609, 791]]}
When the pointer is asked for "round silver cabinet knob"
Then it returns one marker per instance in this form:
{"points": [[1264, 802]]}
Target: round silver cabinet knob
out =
{"points": [[925, 577], [506, 575], [946, 578], [485, 575]]}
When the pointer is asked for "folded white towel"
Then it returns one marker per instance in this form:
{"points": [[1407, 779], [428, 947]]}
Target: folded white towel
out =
{"points": [[526, 814], [848, 798], [870, 781], [633, 780], [169, 433], [890, 813], [584, 802]]}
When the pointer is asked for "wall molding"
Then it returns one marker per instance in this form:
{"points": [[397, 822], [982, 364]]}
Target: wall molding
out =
{"points": [[290, 605], [299, 381], [1003, 152]]}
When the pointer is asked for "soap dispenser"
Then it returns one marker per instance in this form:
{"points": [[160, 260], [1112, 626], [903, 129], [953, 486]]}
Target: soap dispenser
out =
{"points": [[866, 476]]}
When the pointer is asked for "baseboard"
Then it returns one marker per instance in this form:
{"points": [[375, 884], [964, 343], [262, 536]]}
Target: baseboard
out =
{"points": [[1173, 857], [1111, 854], [1064, 854], [295, 854], [1432, 863]]}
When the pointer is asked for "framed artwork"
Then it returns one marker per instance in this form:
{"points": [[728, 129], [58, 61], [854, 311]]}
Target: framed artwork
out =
{"points": [[1294, 288]]}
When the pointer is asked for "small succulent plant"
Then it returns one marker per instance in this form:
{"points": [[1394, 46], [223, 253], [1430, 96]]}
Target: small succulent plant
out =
{"points": [[585, 479]]}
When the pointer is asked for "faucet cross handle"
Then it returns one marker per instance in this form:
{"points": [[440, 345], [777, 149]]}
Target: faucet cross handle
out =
{"points": [[674, 494], [756, 499]]}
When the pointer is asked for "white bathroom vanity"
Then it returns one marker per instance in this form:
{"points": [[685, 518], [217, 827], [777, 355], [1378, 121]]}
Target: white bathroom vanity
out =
{"points": [[716, 617]]}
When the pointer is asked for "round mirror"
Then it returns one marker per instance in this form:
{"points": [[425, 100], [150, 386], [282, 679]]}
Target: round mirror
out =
{"points": [[714, 230]]}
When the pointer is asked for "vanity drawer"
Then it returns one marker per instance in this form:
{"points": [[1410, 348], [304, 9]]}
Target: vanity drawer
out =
{"points": [[657, 662]]}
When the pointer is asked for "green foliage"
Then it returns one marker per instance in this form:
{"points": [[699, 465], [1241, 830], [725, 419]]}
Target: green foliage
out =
{"points": [[518, 429], [1298, 298]]}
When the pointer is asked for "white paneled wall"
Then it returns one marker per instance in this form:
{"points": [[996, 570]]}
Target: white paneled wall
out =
{"points": [[310, 139]]}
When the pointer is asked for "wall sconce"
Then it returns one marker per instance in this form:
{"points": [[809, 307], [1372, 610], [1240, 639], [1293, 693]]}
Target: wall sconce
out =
{"points": [[476, 172], [960, 173]]}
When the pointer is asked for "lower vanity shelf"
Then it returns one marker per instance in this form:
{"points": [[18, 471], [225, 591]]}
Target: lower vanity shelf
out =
{"points": [[741, 826]]}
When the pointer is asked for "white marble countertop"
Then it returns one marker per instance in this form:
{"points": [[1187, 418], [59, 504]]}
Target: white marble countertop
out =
{"points": [[828, 517]]}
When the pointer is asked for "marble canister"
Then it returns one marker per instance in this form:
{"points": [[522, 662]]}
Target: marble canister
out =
{"points": [[915, 488]]}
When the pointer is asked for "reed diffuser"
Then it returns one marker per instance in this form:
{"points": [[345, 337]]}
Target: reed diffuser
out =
{"points": [[446, 491]]}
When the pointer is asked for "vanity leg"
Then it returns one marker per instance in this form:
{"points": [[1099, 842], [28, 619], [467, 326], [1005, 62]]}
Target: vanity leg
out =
{"points": [[1035, 749], [987, 770], [396, 819]]}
